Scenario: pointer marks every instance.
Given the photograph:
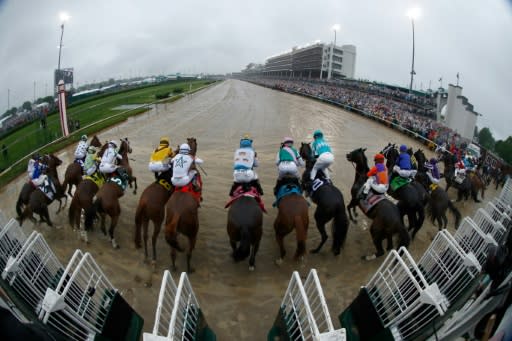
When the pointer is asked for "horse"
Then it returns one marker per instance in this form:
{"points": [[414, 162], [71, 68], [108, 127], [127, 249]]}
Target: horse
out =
{"points": [[107, 197], [151, 207], [439, 201], [83, 200], [73, 174], [292, 214], [411, 197], [182, 217], [329, 203], [471, 184], [244, 226], [124, 149], [51, 162], [38, 201], [386, 217]]}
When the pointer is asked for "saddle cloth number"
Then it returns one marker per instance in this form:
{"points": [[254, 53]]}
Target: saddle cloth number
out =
{"points": [[316, 184]]}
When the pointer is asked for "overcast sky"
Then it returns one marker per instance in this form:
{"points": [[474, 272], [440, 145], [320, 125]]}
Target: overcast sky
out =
{"points": [[123, 38]]}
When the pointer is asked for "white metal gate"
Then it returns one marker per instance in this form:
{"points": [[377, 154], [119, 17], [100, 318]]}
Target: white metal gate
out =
{"points": [[472, 239], [80, 303], [33, 270], [305, 312], [178, 315]]}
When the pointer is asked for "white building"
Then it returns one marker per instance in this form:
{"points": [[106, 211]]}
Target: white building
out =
{"points": [[460, 115]]}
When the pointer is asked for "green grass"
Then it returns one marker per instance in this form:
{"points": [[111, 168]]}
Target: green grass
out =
{"points": [[94, 114]]}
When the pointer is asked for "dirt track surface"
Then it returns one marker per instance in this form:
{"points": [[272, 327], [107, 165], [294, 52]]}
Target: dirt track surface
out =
{"points": [[238, 304]]}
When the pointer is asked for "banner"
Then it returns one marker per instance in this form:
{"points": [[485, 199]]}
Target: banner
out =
{"points": [[62, 109]]}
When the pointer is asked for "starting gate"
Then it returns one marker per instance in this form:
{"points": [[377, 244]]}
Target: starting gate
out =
{"points": [[303, 314], [472, 239], [84, 304], [397, 303], [32, 270], [12, 239], [178, 315], [489, 225]]}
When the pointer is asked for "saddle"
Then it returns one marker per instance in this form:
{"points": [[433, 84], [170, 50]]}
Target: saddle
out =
{"points": [[241, 191], [286, 189], [371, 200], [194, 188]]}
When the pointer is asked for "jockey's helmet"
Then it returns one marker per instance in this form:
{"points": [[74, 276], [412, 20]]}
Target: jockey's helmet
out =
{"points": [[245, 143], [318, 133], [113, 144], [184, 148], [83, 138], [433, 160], [378, 158], [164, 140], [403, 148], [287, 139], [36, 156]]}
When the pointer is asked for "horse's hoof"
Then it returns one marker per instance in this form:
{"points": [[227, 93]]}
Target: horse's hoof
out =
{"points": [[251, 268], [278, 261], [148, 284], [314, 250], [371, 257], [336, 252]]}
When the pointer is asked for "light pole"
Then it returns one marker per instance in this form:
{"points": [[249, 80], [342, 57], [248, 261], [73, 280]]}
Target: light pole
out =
{"points": [[335, 28], [63, 18], [413, 13]]}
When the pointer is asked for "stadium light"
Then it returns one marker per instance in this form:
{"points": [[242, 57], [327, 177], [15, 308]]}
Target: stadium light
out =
{"points": [[413, 13], [63, 18]]}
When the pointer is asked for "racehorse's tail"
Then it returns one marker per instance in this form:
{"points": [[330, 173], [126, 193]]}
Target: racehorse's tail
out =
{"points": [[171, 232], [404, 238], [19, 204], [455, 212], [90, 214], [243, 250], [301, 232], [340, 229], [139, 216]]}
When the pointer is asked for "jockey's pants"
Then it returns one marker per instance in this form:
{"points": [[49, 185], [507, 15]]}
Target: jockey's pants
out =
{"points": [[324, 160], [180, 181], [287, 168], [158, 166], [107, 168], [244, 175]]}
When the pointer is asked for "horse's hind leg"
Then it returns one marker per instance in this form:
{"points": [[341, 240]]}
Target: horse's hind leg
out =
{"points": [[252, 258], [282, 251], [192, 244], [156, 231], [320, 224], [173, 259], [113, 224]]}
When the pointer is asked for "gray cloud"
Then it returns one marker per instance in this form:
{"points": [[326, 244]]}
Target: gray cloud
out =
{"points": [[119, 38]]}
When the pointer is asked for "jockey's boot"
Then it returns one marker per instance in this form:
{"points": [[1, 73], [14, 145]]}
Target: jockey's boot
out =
{"points": [[156, 175], [277, 186], [233, 187], [257, 184], [195, 185]]}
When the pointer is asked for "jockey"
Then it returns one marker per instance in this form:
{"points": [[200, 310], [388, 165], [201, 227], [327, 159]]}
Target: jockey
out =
{"points": [[91, 161], [288, 160], [108, 163], [322, 152], [460, 168], [81, 150], [245, 160], [433, 171], [377, 177], [34, 167], [160, 158], [403, 165], [181, 164], [45, 184]]}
